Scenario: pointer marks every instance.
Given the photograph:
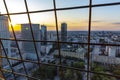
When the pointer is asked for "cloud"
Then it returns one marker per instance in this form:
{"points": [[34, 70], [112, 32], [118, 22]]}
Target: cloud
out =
{"points": [[97, 21], [116, 23]]}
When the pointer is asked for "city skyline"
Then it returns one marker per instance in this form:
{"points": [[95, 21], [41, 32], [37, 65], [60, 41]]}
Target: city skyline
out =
{"points": [[103, 18], [69, 42]]}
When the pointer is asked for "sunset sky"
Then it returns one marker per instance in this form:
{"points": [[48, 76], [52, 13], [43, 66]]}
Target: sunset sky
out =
{"points": [[103, 18]]}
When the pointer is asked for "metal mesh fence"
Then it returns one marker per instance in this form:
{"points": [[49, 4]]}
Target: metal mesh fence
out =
{"points": [[58, 42]]}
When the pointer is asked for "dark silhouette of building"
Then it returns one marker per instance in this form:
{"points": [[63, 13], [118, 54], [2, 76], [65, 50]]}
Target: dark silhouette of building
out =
{"points": [[29, 47], [43, 34], [63, 33], [118, 52]]}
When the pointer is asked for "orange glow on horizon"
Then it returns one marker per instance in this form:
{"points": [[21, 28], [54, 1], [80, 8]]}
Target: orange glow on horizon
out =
{"points": [[72, 26]]}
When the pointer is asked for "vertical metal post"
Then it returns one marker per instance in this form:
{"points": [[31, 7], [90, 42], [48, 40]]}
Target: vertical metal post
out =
{"points": [[1, 75], [33, 39], [7, 59], [58, 40], [15, 37], [89, 33]]}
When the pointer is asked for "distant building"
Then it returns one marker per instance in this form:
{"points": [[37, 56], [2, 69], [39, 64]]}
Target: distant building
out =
{"points": [[28, 47], [78, 55], [105, 59], [63, 33], [46, 48], [50, 36], [111, 50], [4, 33], [43, 34], [118, 52]]}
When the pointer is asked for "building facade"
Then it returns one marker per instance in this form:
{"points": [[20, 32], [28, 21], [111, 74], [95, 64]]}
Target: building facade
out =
{"points": [[43, 34], [4, 33], [28, 47], [63, 33]]}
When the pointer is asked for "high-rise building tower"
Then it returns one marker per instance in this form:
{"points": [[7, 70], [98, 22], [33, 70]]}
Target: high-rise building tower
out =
{"points": [[117, 52], [4, 33], [63, 33], [28, 47], [43, 34]]}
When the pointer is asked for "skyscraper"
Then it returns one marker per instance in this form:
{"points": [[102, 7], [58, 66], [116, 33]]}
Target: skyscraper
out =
{"points": [[28, 47], [4, 33], [63, 33], [43, 34]]}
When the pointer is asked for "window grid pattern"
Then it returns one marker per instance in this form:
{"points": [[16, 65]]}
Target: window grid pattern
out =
{"points": [[90, 6]]}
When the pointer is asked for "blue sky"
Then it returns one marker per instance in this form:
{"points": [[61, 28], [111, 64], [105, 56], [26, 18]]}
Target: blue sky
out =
{"points": [[104, 18]]}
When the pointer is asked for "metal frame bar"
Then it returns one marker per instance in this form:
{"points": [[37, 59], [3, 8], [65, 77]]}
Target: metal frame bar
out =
{"points": [[2, 73], [58, 43], [67, 67], [30, 23], [68, 8], [106, 44], [4, 70], [7, 59], [90, 6], [14, 35], [89, 33]]}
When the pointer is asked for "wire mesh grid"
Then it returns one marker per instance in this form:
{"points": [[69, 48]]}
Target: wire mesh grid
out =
{"points": [[58, 42]]}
